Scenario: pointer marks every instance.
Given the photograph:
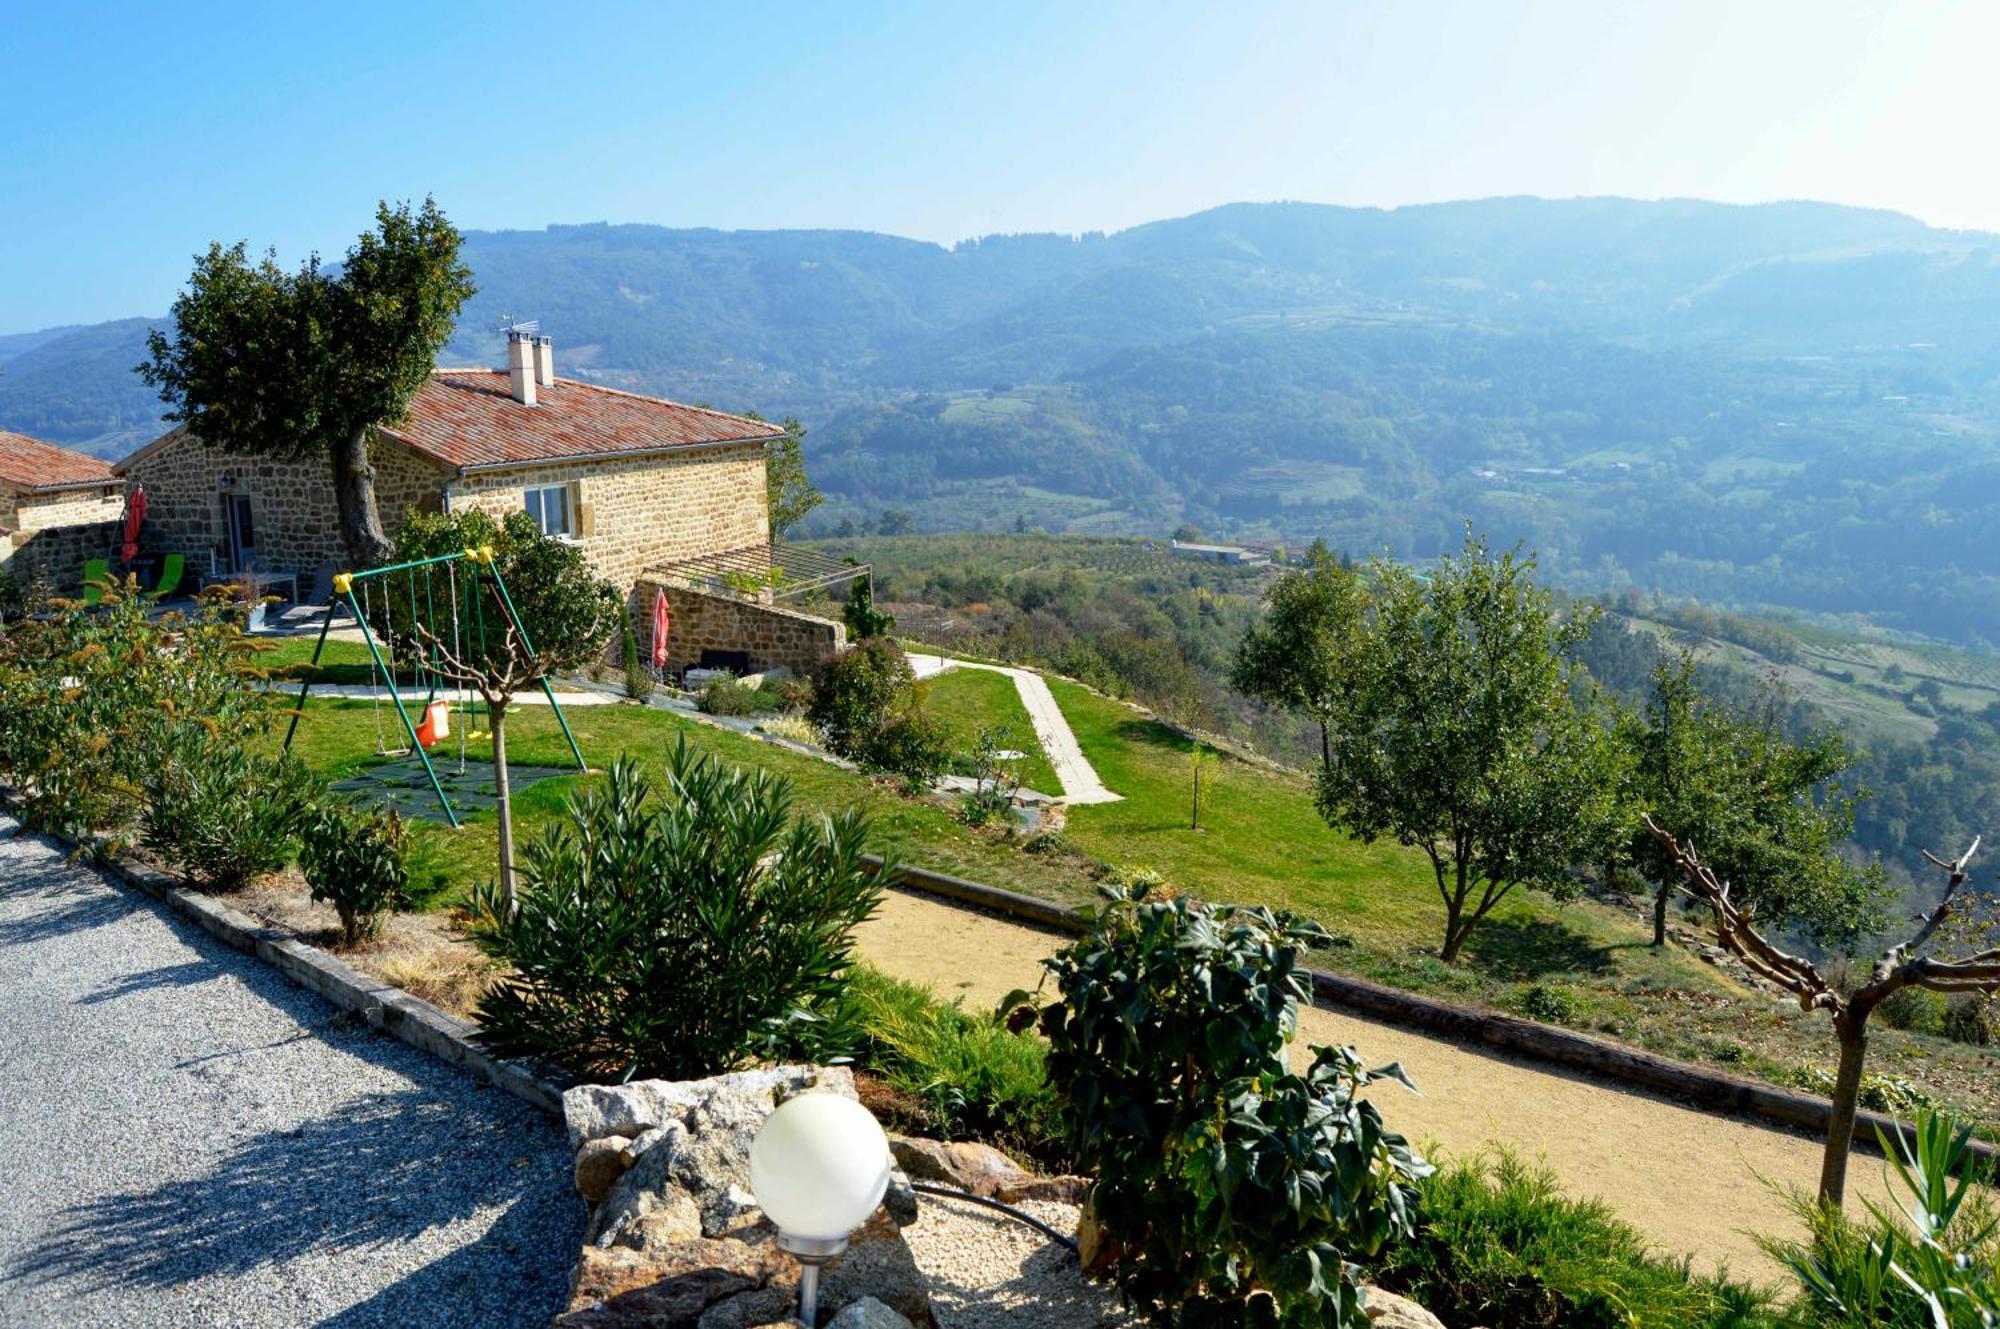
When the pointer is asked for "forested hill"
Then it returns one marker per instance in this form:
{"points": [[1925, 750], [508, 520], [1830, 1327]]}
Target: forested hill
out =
{"points": [[1794, 404]]}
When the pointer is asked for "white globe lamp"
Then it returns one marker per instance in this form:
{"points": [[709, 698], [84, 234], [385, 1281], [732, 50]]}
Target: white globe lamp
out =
{"points": [[818, 1167]]}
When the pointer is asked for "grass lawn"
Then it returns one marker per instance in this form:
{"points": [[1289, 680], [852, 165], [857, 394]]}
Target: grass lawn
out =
{"points": [[969, 700], [1262, 842]]}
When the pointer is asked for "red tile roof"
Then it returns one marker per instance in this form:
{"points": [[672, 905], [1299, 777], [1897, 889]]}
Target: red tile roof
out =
{"points": [[29, 463], [468, 418]]}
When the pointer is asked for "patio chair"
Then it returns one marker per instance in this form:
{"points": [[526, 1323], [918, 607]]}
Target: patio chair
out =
{"points": [[171, 568], [96, 573]]}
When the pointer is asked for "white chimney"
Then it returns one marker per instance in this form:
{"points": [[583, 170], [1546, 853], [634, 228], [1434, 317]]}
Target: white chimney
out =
{"points": [[520, 370], [545, 361]]}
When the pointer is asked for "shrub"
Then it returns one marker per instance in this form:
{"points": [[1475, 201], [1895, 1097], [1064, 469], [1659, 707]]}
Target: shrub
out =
{"points": [[217, 814], [638, 679], [857, 690], [1497, 1243], [1217, 1167], [1969, 1019], [1550, 1003], [681, 935], [973, 1077], [86, 695], [726, 696], [993, 784], [864, 621], [1879, 1093], [792, 727], [1915, 1010], [1049, 842], [356, 862], [912, 745]]}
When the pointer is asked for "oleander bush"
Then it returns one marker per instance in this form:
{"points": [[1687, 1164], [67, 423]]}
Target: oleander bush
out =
{"points": [[217, 814], [357, 861], [1236, 1192], [678, 931]]}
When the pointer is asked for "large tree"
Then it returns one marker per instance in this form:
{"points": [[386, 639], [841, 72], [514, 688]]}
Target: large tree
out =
{"points": [[1766, 811], [1301, 657], [790, 492], [306, 364], [1456, 730]]}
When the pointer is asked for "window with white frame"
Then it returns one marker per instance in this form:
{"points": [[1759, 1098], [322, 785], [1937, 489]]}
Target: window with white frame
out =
{"points": [[552, 509]]}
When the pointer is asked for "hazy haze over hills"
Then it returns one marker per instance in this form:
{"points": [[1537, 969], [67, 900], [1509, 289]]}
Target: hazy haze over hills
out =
{"points": [[1792, 403]]}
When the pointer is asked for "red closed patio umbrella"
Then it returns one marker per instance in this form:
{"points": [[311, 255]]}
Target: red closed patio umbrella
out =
{"points": [[662, 619], [135, 513]]}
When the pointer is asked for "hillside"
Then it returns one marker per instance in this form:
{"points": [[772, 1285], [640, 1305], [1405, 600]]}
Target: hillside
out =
{"points": [[1790, 405]]}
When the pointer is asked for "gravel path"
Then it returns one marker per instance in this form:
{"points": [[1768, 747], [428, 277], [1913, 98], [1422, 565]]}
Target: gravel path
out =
{"points": [[989, 1271], [1697, 1183], [189, 1139]]}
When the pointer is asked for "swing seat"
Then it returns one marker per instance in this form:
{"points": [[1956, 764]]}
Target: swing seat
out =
{"points": [[435, 727]]}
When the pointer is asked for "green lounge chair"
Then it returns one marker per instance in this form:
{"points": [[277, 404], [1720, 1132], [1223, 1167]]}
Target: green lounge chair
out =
{"points": [[96, 572], [171, 568]]}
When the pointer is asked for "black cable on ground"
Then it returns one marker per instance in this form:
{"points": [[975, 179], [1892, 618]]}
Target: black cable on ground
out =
{"points": [[951, 1193]]}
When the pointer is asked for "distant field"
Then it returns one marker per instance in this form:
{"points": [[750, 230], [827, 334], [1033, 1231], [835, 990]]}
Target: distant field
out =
{"points": [[1295, 483]]}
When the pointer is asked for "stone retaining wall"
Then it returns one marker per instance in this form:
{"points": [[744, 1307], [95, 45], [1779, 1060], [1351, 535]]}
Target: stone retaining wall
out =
{"points": [[771, 636]]}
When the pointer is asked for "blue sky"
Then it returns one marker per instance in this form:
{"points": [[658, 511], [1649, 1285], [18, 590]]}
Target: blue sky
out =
{"points": [[135, 134]]}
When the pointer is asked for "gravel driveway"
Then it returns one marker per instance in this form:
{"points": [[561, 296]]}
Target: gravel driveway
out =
{"points": [[186, 1138]]}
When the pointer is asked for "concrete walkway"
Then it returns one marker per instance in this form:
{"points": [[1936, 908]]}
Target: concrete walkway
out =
{"points": [[1080, 784], [1695, 1182], [190, 1139]]}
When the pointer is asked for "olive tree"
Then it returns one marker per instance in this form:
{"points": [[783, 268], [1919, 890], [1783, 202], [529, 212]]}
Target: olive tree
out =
{"points": [[1915, 962], [569, 615], [306, 364], [1453, 727]]}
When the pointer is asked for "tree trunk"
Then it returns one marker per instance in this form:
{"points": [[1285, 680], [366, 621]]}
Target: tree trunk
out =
{"points": [[361, 532], [1852, 1027], [506, 806], [1660, 914], [1455, 925]]}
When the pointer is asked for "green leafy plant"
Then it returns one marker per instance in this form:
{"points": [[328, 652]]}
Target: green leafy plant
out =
{"points": [[1915, 1010], [866, 707], [1236, 1191], [1969, 1019], [356, 862], [993, 783], [217, 814], [727, 696], [681, 934]]}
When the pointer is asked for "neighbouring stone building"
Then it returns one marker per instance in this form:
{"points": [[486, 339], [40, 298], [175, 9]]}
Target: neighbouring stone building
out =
{"points": [[58, 509]]}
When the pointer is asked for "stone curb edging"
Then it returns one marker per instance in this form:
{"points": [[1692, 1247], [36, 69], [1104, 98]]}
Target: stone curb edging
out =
{"points": [[1594, 1057], [395, 1012]]}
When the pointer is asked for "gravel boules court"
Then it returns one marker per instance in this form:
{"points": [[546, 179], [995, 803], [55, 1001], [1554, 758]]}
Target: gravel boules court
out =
{"points": [[190, 1139]]}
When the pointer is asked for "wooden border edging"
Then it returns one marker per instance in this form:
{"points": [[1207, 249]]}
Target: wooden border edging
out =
{"points": [[1549, 1044]]}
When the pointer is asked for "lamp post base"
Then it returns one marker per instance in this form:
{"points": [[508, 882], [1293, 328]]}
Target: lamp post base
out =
{"points": [[811, 1253]]}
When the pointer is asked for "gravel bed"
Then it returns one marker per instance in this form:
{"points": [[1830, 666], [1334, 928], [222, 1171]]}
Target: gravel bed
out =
{"points": [[989, 1271], [190, 1139]]}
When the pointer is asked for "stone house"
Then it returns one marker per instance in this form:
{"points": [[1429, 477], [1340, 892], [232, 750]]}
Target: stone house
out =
{"points": [[58, 508], [639, 483]]}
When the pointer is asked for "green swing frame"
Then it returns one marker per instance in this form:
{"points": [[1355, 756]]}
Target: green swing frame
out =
{"points": [[348, 588]]}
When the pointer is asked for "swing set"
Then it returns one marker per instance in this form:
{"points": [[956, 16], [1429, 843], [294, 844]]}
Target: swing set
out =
{"points": [[410, 591]]}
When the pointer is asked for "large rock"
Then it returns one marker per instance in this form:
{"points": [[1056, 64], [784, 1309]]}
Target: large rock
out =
{"points": [[677, 1238], [1386, 1310], [982, 1170], [868, 1313]]}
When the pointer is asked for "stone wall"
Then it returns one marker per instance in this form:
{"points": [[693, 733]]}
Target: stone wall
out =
{"points": [[641, 514], [55, 555], [772, 636], [291, 502]]}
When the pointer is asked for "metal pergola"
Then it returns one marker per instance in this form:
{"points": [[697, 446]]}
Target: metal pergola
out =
{"points": [[799, 571]]}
